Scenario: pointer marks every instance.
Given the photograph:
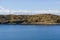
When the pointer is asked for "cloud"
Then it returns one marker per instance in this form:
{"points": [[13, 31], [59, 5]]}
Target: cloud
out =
{"points": [[47, 11], [5, 11]]}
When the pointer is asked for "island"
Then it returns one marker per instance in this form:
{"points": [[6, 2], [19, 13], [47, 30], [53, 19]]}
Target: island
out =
{"points": [[30, 19]]}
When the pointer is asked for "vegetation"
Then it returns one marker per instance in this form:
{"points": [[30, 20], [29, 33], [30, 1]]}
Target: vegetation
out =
{"points": [[30, 19]]}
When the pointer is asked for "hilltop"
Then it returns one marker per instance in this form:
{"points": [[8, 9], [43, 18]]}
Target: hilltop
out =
{"points": [[30, 19]]}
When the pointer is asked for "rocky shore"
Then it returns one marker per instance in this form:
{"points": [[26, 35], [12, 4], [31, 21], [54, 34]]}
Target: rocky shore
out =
{"points": [[30, 19]]}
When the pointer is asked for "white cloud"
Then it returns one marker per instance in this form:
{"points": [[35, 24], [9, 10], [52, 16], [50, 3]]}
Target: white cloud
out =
{"points": [[48, 11], [1, 7], [5, 11]]}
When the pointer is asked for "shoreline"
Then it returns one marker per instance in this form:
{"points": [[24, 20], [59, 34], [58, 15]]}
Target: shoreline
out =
{"points": [[32, 24]]}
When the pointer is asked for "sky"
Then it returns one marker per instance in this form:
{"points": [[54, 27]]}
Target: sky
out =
{"points": [[30, 4]]}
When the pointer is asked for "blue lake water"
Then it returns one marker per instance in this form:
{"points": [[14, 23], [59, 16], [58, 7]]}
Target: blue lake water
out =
{"points": [[29, 32]]}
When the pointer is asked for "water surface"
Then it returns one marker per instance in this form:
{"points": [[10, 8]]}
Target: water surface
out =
{"points": [[29, 32]]}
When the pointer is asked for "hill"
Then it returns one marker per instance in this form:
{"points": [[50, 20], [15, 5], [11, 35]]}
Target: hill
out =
{"points": [[30, 19]]}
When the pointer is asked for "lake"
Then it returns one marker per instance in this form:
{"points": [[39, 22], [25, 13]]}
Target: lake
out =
{"points": [[29, 32]]}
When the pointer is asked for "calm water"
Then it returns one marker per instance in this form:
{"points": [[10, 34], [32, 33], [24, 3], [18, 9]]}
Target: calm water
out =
{"points": [[29, 32]]}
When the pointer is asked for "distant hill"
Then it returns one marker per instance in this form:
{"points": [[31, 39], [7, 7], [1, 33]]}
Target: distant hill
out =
{"points": [[30, 19]]}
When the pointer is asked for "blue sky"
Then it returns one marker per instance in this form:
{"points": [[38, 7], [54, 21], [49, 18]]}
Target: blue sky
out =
{"points": [[30, 4]]}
